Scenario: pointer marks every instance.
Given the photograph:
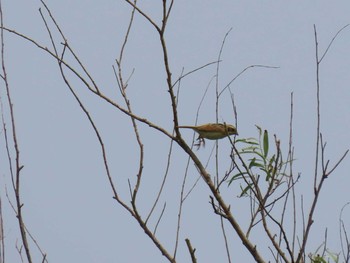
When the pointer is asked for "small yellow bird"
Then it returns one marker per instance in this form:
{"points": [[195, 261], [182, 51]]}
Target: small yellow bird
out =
{"points": [[213, 131]]}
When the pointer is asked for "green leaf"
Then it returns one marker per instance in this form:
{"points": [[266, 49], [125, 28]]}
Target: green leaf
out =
{"points": [[266, 143], [245, 190], [333, 256], [318, 259], [236, 177], [244, 151], [252, 163], [259, 154], [255, 163], [248, 141]]}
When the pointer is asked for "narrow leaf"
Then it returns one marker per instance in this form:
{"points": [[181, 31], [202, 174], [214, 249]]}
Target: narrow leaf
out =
{"points": [[266, 143]]}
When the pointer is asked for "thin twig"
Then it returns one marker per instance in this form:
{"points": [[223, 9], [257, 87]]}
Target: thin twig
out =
{"points": [[318, 109], [101, 95], [317, 186], [169, 10], [217, 110], [18, 165], [182, 200], [240, 73], [191, 250], [227, 247], [193, 71], [68, 46], [159, 219], [2, 237], [291, 181], [345, 248], [122, 88], [166, 173], [217, 105], [126, 37], [330, 43], [143, 14]]}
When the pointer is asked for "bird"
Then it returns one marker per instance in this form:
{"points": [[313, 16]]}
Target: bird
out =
{"points": [[212, 131]]}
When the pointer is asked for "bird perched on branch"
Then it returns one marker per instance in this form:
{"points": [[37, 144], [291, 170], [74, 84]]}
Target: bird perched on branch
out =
{"points": [[213, 131]]}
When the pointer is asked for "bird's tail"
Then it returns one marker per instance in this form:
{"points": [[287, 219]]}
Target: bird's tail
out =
{"points": [[187, 127]]}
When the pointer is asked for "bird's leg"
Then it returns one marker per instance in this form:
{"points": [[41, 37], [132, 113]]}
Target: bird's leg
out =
{"points": [[200, 142]]}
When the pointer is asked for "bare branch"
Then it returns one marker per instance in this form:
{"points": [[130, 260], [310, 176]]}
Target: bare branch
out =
{"points": [[227, 247], [191, 250], [143, 14], [159, 219], [194, 70], [319, 142], [18, 166], [338, 162], [345, 244], [2, 236], [240, 73], [330, 44], [65, 43], [101, 95]]}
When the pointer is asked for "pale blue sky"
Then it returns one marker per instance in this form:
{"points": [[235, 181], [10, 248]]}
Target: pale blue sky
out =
{"points": [[68, 203]]}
